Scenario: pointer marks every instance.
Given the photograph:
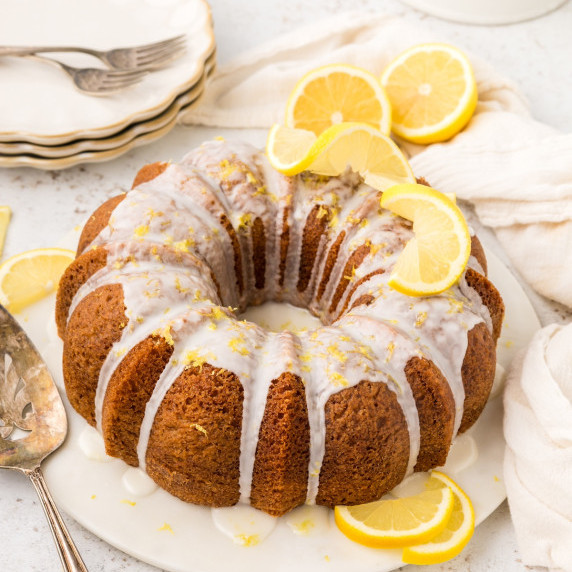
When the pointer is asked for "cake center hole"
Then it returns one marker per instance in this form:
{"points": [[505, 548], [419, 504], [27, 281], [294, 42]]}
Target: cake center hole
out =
{"points": [[278, 317]]}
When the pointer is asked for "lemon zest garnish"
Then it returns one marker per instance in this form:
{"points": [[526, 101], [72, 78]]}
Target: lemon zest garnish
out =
{"points": [[305, 526], [166, 527], [199, 428], [338, 379], [165, 332], [141, 230], [247, 539], [237, 345], [420, 319], [244, 221], [179, 287], [337, 353], [322, 211]]}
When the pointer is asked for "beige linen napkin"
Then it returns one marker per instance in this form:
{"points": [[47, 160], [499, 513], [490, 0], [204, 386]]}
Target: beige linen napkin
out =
{"points": [[538, 459], [516, 171]]}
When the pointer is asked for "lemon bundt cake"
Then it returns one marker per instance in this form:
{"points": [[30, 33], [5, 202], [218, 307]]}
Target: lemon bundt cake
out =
{"points": [[218, 410]]}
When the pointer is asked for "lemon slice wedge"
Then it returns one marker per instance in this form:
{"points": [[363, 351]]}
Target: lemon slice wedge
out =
{"points": [[288, 149], [458, 531], [29, 276], [5, 213], [435, 258], [335, 94], [357, 145], [433, 92], [398, 522]]}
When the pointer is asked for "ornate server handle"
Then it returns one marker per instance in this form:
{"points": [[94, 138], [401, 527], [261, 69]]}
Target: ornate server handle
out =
{"points": [[71, 560]]}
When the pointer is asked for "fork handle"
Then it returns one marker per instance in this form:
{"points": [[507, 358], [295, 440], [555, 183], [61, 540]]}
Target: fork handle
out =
{"points": [[27, 50], [69, 555]]}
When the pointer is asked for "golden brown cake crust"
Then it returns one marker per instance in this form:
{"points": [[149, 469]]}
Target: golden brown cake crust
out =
{"points": [[330, 263], [194, 445], [478, 373], [283, 450], [490, 296], [314, 229], [93, 328], [367, 445], [127, 394], [97, 222], [436, 406], [76, 274], [149, 172]]}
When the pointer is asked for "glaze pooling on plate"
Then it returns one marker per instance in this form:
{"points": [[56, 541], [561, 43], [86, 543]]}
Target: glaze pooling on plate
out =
{"points": [[62, 114]]}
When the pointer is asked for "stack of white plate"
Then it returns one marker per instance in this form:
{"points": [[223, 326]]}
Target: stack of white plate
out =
{"points": [[46, 123]]}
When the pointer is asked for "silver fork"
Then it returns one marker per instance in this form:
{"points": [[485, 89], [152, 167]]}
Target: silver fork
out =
{"points": [[147, 56], [94, 81]]}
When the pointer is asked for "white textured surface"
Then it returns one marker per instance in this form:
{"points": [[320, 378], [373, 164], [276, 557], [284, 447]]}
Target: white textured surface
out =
{"points": [[535, 54]]}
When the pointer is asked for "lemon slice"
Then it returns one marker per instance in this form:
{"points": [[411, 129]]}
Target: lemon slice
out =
{"points": [[4, 220], [397, 522], [433, 92], [434, 259], [27, 277], [458, 531], [335, 94], [288, 149], [374, 155], [357, 145]]}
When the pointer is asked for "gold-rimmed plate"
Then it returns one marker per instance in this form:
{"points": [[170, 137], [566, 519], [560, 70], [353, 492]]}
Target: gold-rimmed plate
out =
{"points": [[42, 107], [21, 153]]}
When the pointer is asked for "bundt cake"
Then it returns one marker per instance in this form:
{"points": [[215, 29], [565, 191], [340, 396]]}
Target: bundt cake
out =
{"points": [[218, 410]]}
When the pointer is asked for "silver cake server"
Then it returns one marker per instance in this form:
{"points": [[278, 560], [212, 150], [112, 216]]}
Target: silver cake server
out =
{"points": [[32, 424]]}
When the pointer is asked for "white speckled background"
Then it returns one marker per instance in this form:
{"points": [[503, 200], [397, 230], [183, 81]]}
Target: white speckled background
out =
{"points": [[537, 55]]}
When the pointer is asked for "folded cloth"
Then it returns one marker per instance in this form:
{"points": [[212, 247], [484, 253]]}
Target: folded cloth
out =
{"points": [[538, 460], [516, 171]]}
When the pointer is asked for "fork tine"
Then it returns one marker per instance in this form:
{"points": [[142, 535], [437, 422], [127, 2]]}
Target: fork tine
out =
{"points": [[119, 75], [104, 89], [161, 44], [159, 60], [158, 50], [120, 82]]}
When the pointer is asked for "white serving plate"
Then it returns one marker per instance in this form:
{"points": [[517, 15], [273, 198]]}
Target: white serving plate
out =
{"points": [[164, 531], [13, 153], [41, 105]]}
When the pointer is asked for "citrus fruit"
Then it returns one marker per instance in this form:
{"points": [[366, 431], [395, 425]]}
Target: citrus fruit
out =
{"points": [[366, 150], [357, 145], [288, 149], [29, 276], [338, 93], [434, 259], [391, 523], [4, 220], [458, 531], [433, 92]]}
